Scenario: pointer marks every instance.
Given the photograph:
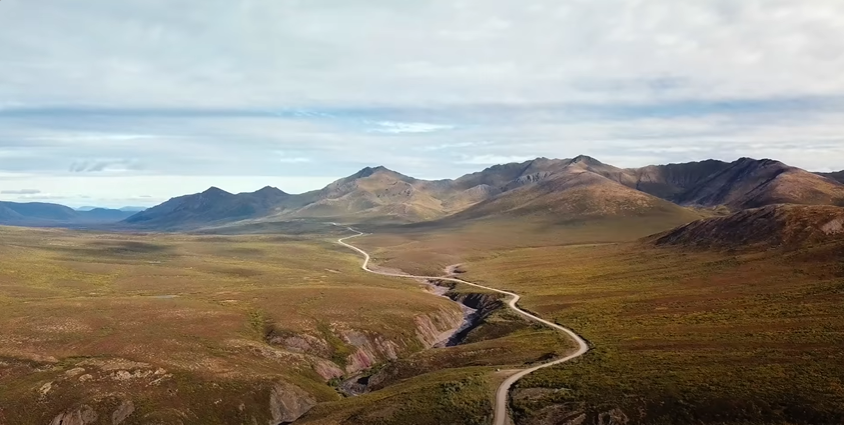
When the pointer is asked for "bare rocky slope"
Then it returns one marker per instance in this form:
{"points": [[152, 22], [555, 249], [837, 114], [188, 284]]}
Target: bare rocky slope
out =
{"points": [[745, 183], [749, 183], [672, 180], [773, 226], [573, 193]]}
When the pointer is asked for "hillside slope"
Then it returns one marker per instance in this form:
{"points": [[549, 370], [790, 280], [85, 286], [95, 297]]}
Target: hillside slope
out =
{"points": [[788, 226], [371, 193], [209, 207], [104, 215], [575, 193], [749, 183], [672, 180], [745, 183], [510, 176], [41, 211], [837, 176], [7, 214]]}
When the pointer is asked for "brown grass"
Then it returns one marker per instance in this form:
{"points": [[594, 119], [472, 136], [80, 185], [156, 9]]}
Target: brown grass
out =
{"points": [[197, 307], [681, 336], [685, 336]]}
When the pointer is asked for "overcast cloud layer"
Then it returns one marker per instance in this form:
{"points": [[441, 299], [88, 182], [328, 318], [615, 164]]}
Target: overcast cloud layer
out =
{"points": [[131, 102]]}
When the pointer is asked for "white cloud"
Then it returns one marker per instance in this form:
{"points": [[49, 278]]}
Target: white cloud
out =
{"points": [[296, 91], [408, 127], [20, 192], [492, 159], [260, 52], [84, 138], [104, 166], [452, 146], [41, 197], [295, 160]]}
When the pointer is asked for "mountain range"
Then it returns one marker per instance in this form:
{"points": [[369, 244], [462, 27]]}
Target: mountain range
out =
{"points": [[212, 206], [580, 188], [561, 190], [124, 209], [48, 215]]}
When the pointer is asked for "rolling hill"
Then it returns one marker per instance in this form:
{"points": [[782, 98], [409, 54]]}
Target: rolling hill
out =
{"points": [[105, 215], [209, 207], [45, 214], [128, 209], [373, 193], [41, 211]]}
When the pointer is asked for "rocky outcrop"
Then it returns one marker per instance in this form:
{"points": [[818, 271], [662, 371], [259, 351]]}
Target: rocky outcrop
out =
{"points": [[370, 350], [85, 415], [613, 417], [484, 304], [302, 343], [558, 415], [432, 329], [123, 412], [327, 369], [479, 307], [361, 350], [575, 414], [288, 403]]}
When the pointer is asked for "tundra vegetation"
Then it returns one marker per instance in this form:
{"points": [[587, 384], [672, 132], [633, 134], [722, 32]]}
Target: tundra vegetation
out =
{"points": [[734, 320], [227, 329], [193, 328]]}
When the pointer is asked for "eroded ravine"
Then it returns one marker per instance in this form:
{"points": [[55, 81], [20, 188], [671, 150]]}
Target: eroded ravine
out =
{"points": [[502, 414]]}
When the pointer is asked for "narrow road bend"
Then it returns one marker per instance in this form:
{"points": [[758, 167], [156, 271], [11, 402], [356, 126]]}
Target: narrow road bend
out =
{"points": [[502, 412]]}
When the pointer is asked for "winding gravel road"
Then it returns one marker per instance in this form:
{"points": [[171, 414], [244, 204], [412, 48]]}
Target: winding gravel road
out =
{"points": [[502, 412]]}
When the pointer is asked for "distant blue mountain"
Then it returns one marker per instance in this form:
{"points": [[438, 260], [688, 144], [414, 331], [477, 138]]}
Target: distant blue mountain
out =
{"points": [[54, 215]]}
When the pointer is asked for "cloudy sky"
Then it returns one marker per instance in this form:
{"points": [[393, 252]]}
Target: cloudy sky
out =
{"points": [[131, 102]]}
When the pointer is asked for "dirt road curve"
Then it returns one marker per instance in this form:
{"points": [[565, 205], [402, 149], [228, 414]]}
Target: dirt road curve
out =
{"points": [[502, 412]]}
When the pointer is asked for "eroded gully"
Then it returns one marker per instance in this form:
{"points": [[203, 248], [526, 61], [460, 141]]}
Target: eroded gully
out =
{"points": [[501, 408]]}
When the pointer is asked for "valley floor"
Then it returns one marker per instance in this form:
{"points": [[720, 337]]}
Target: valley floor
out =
{"points": [[181, 329]]}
